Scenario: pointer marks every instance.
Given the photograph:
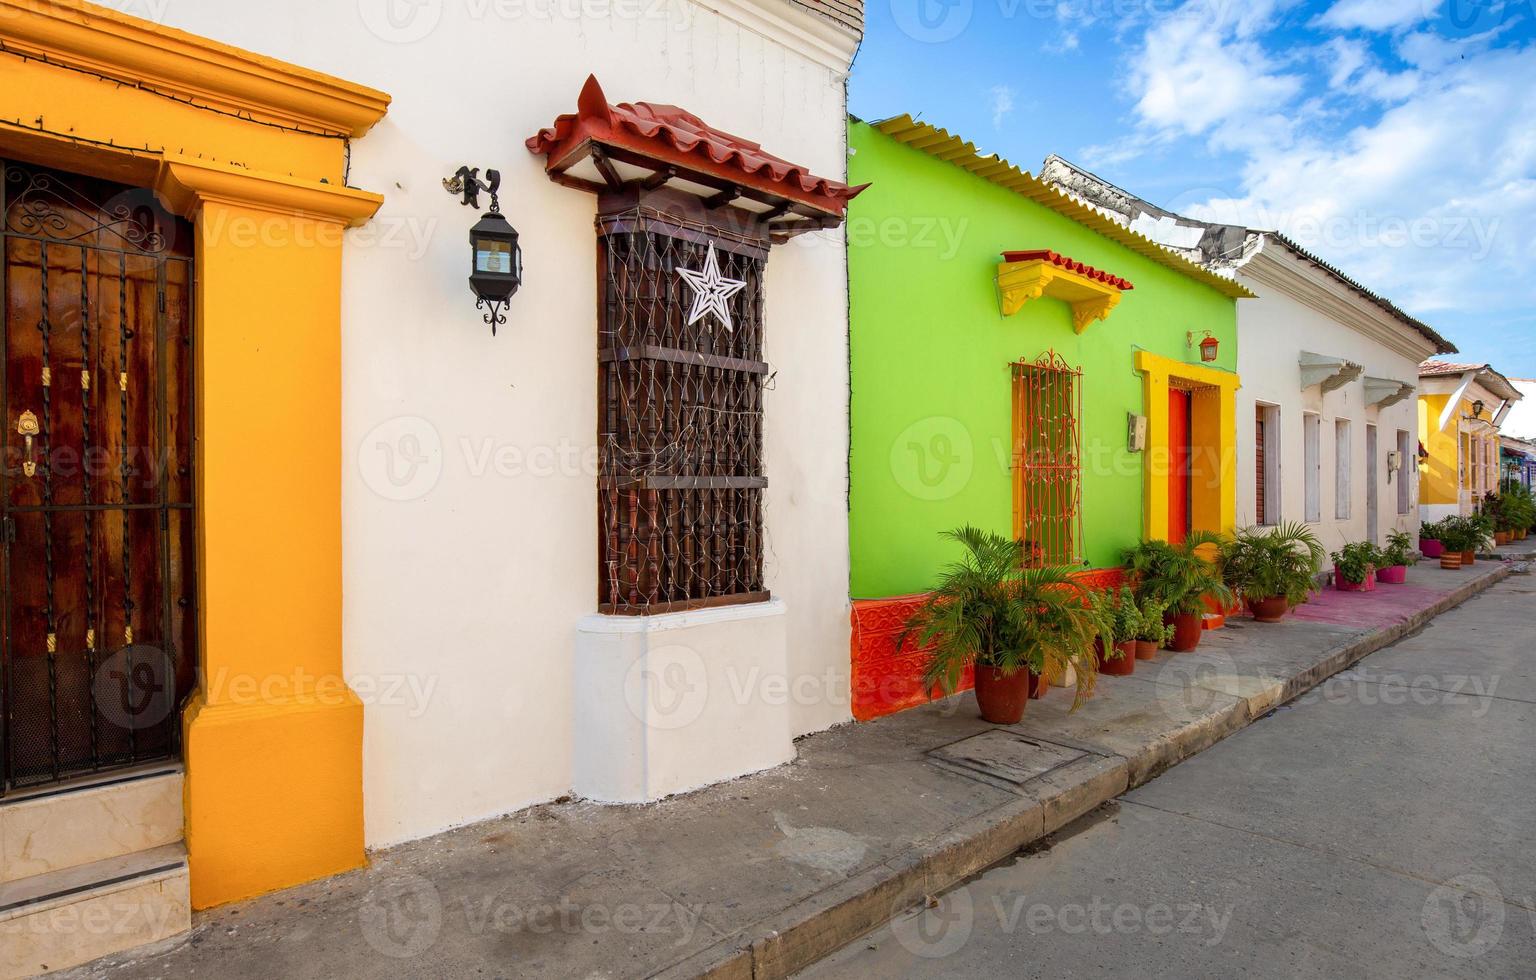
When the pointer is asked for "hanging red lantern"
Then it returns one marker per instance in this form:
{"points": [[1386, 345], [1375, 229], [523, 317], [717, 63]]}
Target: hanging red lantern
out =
{"points": [[1209, 347]]}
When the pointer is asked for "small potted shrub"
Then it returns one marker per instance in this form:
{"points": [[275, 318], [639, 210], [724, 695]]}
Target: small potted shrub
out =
{"points": [[1153, 631], [1453, 535], [1395, 559], [1273, 569], [1006, 621], [1479, 536], [1430, 540], [1119, 621], [1180, 577], [1354, 567]]}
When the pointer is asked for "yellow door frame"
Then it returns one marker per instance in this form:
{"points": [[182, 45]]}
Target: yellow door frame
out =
{"points": [[1213, 443], [254, 152]]}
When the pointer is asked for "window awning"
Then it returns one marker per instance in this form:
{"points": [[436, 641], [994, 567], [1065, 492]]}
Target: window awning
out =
{"points": [[608, 147], [1384, 392], [1026, 275], [1332, 373]]}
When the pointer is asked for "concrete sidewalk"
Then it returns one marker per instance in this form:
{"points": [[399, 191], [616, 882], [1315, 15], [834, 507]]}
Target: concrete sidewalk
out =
{"points": [[763, 875]]}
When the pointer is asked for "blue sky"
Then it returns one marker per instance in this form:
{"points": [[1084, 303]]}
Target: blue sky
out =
{"points": [[1396, 138]]}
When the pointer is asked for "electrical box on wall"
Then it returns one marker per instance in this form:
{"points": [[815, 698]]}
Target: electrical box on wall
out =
{"points": [[1136, 432], [1394, 462]]}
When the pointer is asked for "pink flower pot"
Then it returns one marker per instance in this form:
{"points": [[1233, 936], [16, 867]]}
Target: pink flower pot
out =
{"points": [[1369, 585], [1431, 547], [1396, 575]]}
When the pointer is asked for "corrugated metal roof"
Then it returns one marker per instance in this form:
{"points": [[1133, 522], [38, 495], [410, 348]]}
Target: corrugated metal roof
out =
{"points": [[941, 144], [1425, 330]]}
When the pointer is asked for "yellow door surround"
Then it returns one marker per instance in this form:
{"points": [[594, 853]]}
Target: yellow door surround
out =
{"points": [[1212, 437], [254, 152]]}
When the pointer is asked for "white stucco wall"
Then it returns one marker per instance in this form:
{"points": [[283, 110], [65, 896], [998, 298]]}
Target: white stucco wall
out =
{"points": [[1273, 330], [469, 502]]}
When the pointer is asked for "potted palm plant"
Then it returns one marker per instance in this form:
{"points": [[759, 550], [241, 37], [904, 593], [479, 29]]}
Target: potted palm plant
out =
{"points": [[1007, 621], [1395, 559], [1354, 567], [1180, 577], [1153, 631], [1121, 619], [1479, 536], [1273, 569]]}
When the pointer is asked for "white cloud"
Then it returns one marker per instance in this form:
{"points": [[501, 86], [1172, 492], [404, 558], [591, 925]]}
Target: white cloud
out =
{"points": [[1002, 104], [1433, 202], [1195, 74], [1379, 15]]}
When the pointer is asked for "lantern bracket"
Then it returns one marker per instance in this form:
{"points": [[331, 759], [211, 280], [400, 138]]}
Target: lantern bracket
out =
{"points": [[466, 181]]}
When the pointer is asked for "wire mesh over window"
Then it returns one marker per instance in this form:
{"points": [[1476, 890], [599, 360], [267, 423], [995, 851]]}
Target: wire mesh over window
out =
{"points": [[1047, 460], [680, 421]]}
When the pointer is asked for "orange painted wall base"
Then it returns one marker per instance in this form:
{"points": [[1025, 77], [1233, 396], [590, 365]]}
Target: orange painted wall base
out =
{"points": [[887, 679]]}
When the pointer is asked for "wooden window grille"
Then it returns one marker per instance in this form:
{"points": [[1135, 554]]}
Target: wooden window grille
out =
{"points": [[680, 421], [1047, 460], [1261, 513]]}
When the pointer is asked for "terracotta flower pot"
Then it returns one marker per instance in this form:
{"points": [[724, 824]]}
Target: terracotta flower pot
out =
{"points": [[1187, 629], [1270, 610], [1395, 575], [1469, 558], [1431, 547], [1369, 585], [1121, 666], [1146, 650], [1039, 686], [1500, 538], [1451, 561], [1001, 698]]}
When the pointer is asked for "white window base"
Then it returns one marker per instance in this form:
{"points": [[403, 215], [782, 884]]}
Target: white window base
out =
{"points": [[670, 703]]}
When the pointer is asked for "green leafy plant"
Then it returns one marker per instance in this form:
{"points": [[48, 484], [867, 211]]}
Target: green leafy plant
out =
{"points": [[1399, 550], [1262, 563], [1357, 560], [1454, 534], [1432, 531], [1151, 627], [1179, 576], [1479, 532], [989, 611], [1119, 615]]}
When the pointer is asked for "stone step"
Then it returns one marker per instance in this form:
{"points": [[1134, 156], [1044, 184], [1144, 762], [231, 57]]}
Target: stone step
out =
{"points": [[64, 918], [87, 821]]}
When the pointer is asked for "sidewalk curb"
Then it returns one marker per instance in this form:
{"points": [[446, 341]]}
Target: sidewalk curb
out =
{"points": [[811, 929]]}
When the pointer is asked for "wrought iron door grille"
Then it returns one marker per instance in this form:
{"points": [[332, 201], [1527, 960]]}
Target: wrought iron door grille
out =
{"points": [[680, 423], [97, 507], [1047, 460]]}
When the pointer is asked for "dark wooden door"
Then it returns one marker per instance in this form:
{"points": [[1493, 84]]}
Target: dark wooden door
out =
{"points": [[97, 493]]}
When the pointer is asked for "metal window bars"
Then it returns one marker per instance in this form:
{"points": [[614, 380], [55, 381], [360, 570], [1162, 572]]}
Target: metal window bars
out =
{"points": [[1047, 460]]}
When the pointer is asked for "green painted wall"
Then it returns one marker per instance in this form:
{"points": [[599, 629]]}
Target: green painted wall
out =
{"points": [[930, 350]]}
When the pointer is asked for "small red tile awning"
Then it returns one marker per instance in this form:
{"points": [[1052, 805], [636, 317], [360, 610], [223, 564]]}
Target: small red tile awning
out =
{"points": [[608, 147], [1027, 275], [1071, 265]]}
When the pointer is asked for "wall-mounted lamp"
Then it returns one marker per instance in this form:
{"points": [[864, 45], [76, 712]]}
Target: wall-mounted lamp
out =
{"points": [[1209, 347], [1477, 409], [496, 261]]}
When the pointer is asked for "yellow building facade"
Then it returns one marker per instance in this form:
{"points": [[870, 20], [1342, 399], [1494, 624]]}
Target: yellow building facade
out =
{"points": [[1461, 409]]}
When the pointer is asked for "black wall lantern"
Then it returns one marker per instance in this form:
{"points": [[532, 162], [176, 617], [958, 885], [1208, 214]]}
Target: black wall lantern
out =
{"points": [[496, 262]]}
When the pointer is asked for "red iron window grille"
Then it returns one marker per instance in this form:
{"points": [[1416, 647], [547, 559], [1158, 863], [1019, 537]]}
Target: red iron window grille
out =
{"points": [[1047, 460], [680, 423]]}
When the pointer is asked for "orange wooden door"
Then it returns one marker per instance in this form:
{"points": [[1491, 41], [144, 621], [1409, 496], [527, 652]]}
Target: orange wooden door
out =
{"points": [[1179, 406], [96, 493]]}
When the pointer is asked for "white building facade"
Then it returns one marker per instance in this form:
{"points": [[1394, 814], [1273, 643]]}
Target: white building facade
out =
{"points": [[428, 575], [1327, 422], [1327, 415]]}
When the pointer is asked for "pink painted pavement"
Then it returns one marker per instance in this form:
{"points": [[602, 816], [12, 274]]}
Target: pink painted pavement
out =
{"points": [[1387, 606]]}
